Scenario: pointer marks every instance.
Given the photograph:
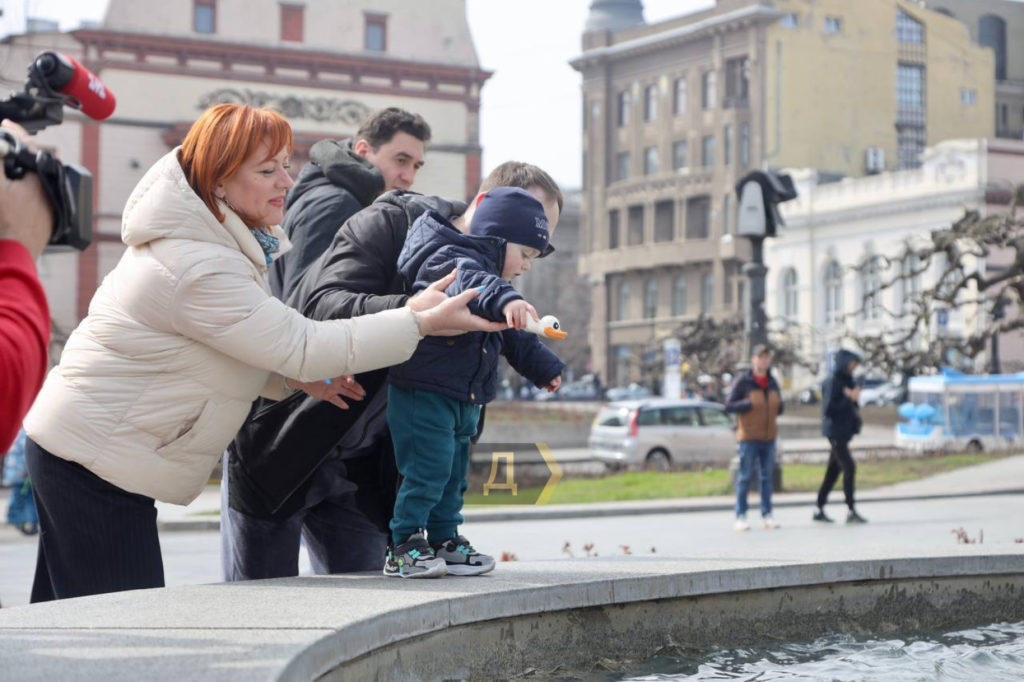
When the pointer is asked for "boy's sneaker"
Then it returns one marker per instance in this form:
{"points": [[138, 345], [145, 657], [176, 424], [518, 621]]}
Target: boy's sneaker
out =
{"points": [[769, 522], [819, 515], [413, 559], [854, 517], [741, 524], [461, 559]]}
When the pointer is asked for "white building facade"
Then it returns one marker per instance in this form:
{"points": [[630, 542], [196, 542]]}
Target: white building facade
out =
{"points": [[818, 293]]}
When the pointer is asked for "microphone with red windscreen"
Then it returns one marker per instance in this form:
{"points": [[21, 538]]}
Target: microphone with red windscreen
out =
{"points": [[84, 90]]}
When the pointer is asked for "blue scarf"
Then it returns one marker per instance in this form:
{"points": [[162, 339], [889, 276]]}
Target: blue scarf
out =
{"points": [[268, 242]]}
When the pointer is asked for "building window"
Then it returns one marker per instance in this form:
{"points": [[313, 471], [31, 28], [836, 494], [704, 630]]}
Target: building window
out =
{"points": [[635, 234], [910, 141], [909, 30], [376, 32], [909, 283], [707, 155], [709, 90], [833, 25], [622, 102], [624, 299], [736, 82], [833, 282], [968, 97], [910, 92], [613, 229], [679, 295], [679, 160], [727, 144], [707, 292], [870, 289], [651, 103], [622, 165], [1004, 115], [650, 160], [679, 100], [992, 33], [910, 115], [728, 225], [698, 217], [204, 16], [651, 299], [790, 300], [727, 285], [744, 144], [789, 20], [292, 23], [664, 221]]}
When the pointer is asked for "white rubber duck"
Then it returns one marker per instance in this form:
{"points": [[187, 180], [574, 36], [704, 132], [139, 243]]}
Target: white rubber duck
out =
{"points": [[548, 326]]}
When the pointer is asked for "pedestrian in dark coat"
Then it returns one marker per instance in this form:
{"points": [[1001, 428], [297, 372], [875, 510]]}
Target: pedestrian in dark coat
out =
{"points": [[840, 422]]}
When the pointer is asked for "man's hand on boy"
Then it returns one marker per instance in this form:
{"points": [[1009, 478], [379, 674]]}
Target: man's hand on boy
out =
{"points": [[433, 295], [554, 384], [515, 313]]}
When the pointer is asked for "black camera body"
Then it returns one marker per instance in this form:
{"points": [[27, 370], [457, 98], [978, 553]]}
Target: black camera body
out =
{"points": [[68, 187]]}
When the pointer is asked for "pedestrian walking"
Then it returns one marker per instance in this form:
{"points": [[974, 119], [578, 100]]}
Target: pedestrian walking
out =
{"points": [[840, 422]]}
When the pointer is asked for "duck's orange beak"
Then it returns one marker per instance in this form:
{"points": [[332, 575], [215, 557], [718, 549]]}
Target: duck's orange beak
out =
{"points": [[556, 334]]}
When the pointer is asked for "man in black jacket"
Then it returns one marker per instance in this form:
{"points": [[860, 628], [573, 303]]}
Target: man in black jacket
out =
{"points": [[840, 422], [342, 178], [301, 466]]}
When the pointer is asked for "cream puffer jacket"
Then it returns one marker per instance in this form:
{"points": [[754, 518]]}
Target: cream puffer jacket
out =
{"points": [[180, 338]]}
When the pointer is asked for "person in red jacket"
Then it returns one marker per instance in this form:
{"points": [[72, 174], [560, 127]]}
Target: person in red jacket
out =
{"points": [[26, 221]]}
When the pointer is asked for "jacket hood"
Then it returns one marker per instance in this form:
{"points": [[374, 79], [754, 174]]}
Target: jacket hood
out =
{"points": [[334, 162], [415, 204], [164, 206], [843, 359], [431, 231]]}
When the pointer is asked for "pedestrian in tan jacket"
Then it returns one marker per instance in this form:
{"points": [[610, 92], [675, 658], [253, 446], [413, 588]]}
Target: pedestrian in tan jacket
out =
{"points": [[180, 338], [755, 397]]}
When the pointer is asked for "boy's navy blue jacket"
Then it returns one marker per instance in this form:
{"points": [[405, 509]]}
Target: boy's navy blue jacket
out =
{"points": [[465, 367]]}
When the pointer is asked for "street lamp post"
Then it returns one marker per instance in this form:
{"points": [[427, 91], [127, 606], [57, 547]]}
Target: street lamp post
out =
{"points": [[759, 193]]}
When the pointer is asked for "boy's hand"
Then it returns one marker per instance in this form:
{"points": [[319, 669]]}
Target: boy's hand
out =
{"points": [[554, 384], [515, 313]]}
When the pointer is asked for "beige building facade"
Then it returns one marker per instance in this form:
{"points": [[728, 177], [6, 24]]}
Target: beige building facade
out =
{"points": [[325, 64], [999, 26], [676, 112]]}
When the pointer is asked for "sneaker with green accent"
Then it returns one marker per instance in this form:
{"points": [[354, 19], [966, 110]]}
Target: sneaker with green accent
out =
{"points": [[413, 559], [461, 559]]}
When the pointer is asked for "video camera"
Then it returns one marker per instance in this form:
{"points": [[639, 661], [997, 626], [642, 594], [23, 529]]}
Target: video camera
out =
{"points": [[55, 81]]}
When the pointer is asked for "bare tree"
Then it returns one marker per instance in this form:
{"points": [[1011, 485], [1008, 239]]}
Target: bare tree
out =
{"points": [[978, 264]]}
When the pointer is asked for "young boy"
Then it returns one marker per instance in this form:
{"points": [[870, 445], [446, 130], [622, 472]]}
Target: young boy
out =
{"points": [[434, 398]]}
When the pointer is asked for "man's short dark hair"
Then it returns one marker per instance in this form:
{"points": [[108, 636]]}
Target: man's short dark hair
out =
{"points": [[523, 176], [380, 126]]}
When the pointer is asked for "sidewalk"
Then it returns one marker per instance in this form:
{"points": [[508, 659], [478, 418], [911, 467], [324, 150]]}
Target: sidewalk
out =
{"points": [[1000, 477]]}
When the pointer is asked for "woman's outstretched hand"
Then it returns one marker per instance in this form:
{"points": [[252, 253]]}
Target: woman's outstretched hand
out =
{"points": [[450, 316], [331, 390]]}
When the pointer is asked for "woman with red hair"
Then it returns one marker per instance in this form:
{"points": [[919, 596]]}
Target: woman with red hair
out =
{"points": [[181, 337]]}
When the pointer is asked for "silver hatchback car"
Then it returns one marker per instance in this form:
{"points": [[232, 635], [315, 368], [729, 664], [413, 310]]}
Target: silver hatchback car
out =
{"points": [[657, 433]]}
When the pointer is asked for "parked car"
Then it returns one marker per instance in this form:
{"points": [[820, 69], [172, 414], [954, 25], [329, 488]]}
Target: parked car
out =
{"points": [[657, 433], [631, 392], [880, 392], [577, 390]]}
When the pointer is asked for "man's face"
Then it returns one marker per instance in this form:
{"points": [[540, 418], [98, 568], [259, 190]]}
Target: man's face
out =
{"points": [[398, 159], [761, 362]]}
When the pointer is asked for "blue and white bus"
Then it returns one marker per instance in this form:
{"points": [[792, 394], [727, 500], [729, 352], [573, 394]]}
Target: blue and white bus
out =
{"points": [[955, 412]]}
